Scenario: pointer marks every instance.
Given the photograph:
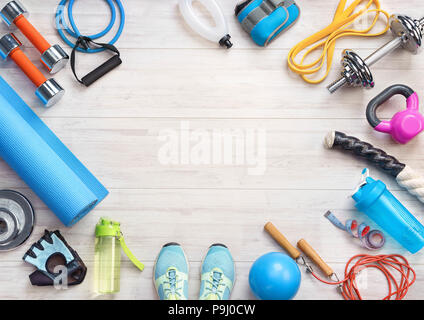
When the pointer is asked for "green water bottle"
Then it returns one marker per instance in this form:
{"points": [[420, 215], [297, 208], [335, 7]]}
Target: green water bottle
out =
{"points": [[107, 259]]}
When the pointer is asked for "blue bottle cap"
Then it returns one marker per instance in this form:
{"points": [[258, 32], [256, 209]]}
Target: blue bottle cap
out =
{"points": [[368, 193]]}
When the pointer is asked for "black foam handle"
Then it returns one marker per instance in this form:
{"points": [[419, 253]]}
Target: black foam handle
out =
{"points": [[100, 71], [383, 97]]}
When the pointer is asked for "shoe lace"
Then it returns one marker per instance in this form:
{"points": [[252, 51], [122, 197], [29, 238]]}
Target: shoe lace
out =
{"points": [[172, 285], [215, 286]]}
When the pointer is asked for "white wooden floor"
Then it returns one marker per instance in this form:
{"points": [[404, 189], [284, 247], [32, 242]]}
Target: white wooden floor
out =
{"points": [[171, 78]]}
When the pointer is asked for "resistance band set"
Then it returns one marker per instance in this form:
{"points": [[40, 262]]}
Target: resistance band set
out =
{"points": [[71, 191]]}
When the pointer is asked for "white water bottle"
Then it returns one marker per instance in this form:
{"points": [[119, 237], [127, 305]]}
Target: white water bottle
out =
{"points": [[218, 33]]}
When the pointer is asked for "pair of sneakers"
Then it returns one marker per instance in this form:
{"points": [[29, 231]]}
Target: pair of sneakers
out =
{"points": [[171, 273]]}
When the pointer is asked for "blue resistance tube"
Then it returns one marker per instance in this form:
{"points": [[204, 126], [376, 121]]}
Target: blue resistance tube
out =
{"points": [[74, 32], [46, 165]]}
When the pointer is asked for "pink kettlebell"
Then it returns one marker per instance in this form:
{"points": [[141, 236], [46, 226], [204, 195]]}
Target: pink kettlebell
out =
{"points": [[406, 124]]}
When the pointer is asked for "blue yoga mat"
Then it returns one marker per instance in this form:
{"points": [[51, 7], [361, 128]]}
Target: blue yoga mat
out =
{"points": [[46, 165]]}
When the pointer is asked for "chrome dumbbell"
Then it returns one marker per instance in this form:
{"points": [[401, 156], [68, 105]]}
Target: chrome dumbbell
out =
{"points": [[356, 71]]}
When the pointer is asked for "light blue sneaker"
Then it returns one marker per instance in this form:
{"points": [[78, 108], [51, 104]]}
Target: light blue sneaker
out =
{"points": [[171, 273], [218, 274]]}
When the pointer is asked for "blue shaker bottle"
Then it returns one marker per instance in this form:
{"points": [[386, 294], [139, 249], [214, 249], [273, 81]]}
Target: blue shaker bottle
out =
{"points": [[380, 205]]}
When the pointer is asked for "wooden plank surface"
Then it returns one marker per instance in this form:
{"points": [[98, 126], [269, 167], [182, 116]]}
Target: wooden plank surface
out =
{"points": [[173, 81]]}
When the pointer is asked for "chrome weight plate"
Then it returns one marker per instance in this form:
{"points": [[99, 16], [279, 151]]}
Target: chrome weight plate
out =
{"points": [[16, 219]]}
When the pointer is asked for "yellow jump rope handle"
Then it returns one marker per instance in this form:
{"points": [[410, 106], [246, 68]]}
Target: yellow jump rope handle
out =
{"points": [[326, 38], [282, 240], [314, 256]]}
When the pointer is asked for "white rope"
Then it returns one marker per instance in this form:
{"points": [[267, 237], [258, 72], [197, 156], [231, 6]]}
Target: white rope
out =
{"points": [[412, 181], [329, 139]]}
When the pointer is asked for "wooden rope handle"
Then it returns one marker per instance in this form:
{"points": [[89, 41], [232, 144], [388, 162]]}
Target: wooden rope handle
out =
{"points": [[282, 240], [314, 256]]}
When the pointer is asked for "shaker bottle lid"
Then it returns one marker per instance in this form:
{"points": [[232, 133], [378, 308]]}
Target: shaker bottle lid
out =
{"points": [[108, 228], [368, 193]]}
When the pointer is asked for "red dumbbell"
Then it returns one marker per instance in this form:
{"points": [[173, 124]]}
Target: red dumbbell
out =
{"points": [[53, 57], [48, 90]]}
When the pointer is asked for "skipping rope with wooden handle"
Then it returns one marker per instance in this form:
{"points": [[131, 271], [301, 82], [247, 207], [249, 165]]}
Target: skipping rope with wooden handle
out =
{"points": [[282, 241], [405, 176], [349, 289]]}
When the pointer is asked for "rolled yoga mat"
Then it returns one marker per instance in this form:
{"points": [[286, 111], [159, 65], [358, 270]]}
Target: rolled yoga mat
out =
{"points": [[46, 165]]}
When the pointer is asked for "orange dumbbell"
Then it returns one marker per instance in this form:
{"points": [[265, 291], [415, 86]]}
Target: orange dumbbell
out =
{"points": [[48, 91], [53, 57]]}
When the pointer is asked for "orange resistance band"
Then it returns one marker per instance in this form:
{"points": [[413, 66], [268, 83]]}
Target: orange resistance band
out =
{"points": [[325, 40], [383, 263], [32, 34], [35, 75]]}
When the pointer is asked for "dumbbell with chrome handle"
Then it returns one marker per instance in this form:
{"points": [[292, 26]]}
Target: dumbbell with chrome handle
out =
{"points": [[356, 71], [305, 247], [54, 58], [48, 90]]}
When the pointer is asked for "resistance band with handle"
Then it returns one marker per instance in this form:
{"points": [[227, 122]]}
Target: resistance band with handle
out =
{"points": [[46, 165], [326, 38], [101, 70], [86, 44]]}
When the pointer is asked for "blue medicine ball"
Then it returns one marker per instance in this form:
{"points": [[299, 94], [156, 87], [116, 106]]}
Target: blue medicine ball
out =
{"points": [[274, 276]]}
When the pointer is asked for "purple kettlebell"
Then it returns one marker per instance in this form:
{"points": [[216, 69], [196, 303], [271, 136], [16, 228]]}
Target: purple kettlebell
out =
{"points": [[406, 124]]}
